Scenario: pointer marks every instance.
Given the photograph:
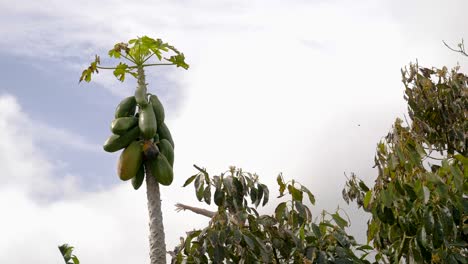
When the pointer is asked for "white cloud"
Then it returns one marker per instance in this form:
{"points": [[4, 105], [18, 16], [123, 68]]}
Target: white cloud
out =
{"points": [[106, 225]]}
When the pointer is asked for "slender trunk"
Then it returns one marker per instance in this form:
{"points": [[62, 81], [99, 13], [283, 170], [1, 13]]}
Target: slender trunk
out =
{"points": [[156, 236], [156, 227]]}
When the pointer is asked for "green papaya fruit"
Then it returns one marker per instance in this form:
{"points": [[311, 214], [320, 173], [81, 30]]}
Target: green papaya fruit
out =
{"points": [[147, 122], [166, 149], [161, 170], [158, 109], [137, 181], [140, 96], [164, 133], [120, 125], [116, 142], [130, 161], [126, 107]]}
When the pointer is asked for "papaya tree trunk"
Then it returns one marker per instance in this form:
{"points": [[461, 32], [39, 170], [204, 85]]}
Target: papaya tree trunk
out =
{"points": [[156, 235]]}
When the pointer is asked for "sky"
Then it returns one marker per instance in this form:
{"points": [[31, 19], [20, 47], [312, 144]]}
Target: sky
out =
{"points": [[306, 88]]}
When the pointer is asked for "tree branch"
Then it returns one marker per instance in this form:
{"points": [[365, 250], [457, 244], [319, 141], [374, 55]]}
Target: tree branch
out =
{"points": [[461, 47], [200, 211]]}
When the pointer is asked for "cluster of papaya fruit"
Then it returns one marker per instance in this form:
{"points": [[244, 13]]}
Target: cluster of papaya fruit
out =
{"points": [[145, 138]]}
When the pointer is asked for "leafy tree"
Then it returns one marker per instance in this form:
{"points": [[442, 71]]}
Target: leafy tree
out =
{"points": [[237, 233], [419, 202]]}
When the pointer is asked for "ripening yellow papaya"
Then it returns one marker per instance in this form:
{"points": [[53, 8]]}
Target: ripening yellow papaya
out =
{"points": [[130, 161]]}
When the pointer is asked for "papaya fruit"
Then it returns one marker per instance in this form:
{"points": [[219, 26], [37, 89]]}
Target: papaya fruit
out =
{"points": [[147, 122], [164, 133], [137, 181], [140, 96], [157, 108], [126, 107], [161, 170], [120, 125], [166, 149], [130, 161], [116, 142]]}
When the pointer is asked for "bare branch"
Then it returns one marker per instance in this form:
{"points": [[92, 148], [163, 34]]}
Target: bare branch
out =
{"points": [[461, 48], [200, 211]]}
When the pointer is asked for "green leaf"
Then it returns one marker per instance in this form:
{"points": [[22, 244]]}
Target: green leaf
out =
{"points": [[179, 61], [279, 211], [365, 247], [438, 234], [367, 199], [339, 220], [301, 210], [190, 180], [249, 242], [363, 186], [75, 260], [253, 195], [457, 177], [200, 188], [120, 71], [219, 254], [316, 230], [207, 195], [410, 191], [309, 194], [447, 220], [428, 220], [259, 195], [422, 237], [295, 193], [282, 185], [266, 194], [219, 197]]}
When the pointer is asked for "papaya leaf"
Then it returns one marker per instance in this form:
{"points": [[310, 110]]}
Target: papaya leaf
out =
{"points": [[75, 260], [120, 71], [179, 61]]}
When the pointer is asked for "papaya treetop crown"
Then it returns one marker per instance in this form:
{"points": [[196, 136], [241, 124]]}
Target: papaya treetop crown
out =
{"points": [[138, 51]]}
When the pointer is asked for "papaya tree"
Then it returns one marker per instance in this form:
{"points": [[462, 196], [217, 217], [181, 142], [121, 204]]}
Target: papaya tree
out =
{"points": [[419, 202], [139, 128], [237, 233]]}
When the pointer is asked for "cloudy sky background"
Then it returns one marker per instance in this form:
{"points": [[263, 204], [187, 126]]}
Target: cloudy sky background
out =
{"points": [[306, 88]]}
